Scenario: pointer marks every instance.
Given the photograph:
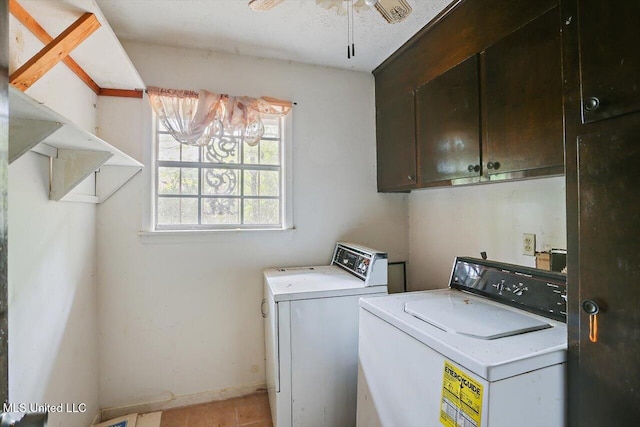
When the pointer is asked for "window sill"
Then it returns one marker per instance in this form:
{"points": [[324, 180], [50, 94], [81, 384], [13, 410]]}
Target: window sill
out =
{"points": [[203, 235]]}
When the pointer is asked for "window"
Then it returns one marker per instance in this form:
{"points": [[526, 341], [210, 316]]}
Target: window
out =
{"points": [[224, 185]]}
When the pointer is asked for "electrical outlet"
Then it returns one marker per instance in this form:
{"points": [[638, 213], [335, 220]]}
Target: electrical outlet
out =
{"points": [[529, 244]]}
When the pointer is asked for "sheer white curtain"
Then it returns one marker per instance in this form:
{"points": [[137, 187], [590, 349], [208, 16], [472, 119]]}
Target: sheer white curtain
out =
{"points": [[198, 118]]}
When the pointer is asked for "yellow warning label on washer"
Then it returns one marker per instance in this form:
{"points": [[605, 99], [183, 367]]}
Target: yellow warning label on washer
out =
{"points": [[461, 404]]}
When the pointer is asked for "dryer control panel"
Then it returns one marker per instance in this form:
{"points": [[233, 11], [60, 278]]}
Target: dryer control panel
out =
{"points": [[365, 263], [538, 291]]}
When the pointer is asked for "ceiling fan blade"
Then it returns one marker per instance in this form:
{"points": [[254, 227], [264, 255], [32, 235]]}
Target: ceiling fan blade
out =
{"points": [[393, 11], [263, 4]]}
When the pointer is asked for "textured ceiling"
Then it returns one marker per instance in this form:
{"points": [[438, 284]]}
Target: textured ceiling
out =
{"points": [[295, 30]]}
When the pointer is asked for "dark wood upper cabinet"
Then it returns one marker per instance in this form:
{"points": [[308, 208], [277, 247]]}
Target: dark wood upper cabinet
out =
{"points": [[448, 125], [464, 28], [521, 81], [396, 143], [609, 34], [456, 119]]}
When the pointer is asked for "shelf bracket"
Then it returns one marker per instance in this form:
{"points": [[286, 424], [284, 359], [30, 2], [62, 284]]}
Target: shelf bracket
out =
{"points": [[24, 134], [111, 177], [71, 167]]}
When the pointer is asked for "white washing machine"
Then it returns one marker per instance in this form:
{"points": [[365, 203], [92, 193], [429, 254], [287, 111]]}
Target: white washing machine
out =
{"points": [[489, 351], [311, 334]]}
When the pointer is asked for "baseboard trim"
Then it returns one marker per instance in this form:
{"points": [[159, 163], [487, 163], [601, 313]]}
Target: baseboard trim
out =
{"points": [[179, 401], [97, 418]]}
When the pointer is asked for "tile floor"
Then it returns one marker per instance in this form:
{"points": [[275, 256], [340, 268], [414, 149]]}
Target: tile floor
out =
{"points": [[246, 411]]}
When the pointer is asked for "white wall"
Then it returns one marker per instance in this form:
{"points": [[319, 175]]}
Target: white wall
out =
{"points": [[182, 315], [464, 221], [52, 289]]}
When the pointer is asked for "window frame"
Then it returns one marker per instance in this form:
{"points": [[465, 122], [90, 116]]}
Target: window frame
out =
{"points": [[285, 188]]}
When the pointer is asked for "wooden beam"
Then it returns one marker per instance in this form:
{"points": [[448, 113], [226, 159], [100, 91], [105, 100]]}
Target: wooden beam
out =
{"points": [[21, 14], [123, 93], [54, 52], [32, 25]]}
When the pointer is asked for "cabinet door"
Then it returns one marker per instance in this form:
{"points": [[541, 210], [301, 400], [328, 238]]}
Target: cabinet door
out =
{"points": [[396, 144], [522, 99], [604, 380], [448, 125], [609, 58]]}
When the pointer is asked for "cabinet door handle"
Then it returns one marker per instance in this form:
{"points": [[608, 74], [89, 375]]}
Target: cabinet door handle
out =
{"points": [[593, 307], [493, 165], [591, 104], [474, 168], [411, 177]]}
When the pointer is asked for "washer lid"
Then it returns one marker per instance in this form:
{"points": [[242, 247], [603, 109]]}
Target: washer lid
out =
{"points": [[287, 284], [457, 313]]}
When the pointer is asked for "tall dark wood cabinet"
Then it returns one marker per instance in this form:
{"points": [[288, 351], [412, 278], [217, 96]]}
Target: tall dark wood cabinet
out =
{"points": [[448, 125], [522, 100], [602, 114], [395, 133]]}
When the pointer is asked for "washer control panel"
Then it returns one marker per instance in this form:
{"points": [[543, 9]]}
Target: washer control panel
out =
{"points": [[365, 263], [538, 291]]}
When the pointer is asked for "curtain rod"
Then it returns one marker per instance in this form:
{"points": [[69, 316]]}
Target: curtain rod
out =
{"points": [[267, 98]]}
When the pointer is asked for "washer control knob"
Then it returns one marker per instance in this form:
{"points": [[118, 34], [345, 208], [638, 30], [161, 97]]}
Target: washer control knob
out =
{"points": [[499, 287], [519, 289]]}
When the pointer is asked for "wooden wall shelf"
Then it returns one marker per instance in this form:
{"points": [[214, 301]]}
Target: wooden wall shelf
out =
{"points": [[76, 154]]}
